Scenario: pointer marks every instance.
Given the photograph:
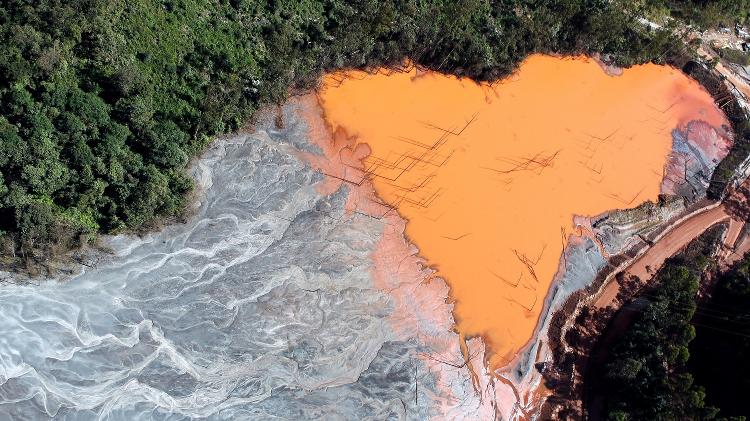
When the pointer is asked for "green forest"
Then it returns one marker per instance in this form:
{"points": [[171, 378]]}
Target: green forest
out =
{"points": [[103, 103], [704, 13], [684, 357], [719, 352], [646, 371]]}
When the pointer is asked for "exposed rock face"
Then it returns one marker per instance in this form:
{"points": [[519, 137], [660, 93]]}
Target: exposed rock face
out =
{"points": [[696, 151], [617, 231]]}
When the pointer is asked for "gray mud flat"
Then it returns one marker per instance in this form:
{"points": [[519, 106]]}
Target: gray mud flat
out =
{"points": [[260, 307]]}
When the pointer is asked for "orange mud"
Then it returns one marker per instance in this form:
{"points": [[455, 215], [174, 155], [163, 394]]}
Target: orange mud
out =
{"points": [[490, 177]]}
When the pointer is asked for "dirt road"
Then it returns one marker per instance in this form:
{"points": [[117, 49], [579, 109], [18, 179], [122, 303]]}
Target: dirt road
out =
{"points": [[669, 244]]}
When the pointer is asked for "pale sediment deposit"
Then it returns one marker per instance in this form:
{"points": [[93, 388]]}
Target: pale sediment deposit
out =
{"points": [[262, 306]]}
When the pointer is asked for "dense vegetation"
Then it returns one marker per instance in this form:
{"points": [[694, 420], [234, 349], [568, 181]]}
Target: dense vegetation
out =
{"points": [[705, 13], [735, 56], [103, 102], [646, 372], [719, 353], [684, 357]]}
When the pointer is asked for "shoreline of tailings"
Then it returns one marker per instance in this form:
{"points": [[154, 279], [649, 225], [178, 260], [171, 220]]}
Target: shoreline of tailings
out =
{"points": [[449, 155], [362, 178]]}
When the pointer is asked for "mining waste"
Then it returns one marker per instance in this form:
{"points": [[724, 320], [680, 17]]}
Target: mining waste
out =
{"points": [[383, 248], [490, 177]]}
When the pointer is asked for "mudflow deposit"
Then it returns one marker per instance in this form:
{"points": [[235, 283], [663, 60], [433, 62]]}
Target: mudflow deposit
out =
{"points": [[391, 246]]}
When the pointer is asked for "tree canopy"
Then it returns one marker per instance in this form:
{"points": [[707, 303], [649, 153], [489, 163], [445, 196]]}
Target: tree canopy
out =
{"points": [[684, 357]]}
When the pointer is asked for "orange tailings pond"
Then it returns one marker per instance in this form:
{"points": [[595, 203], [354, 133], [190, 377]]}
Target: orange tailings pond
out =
{"points": [[490, 176]]}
